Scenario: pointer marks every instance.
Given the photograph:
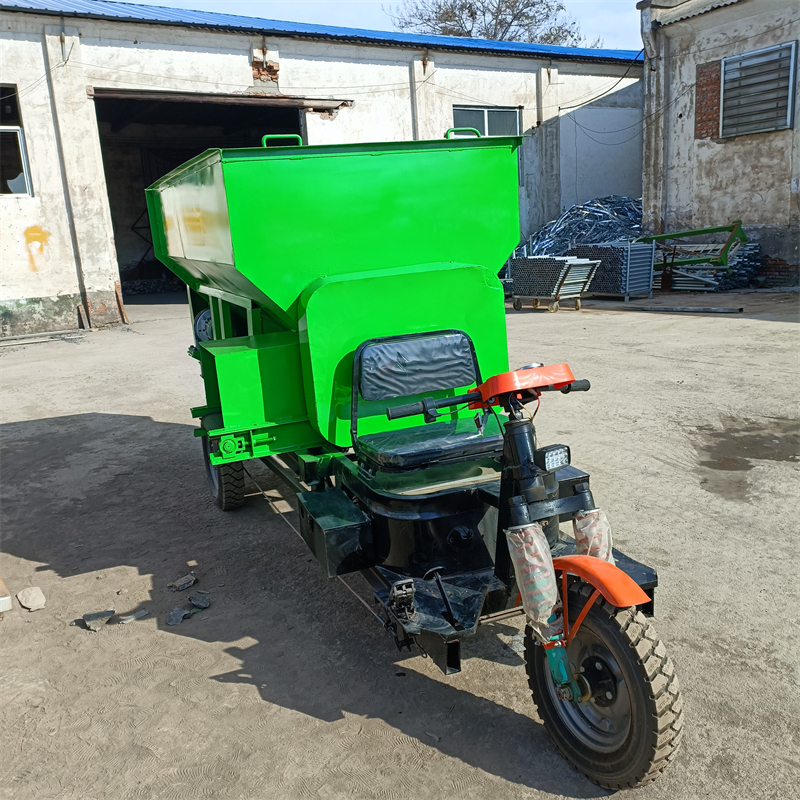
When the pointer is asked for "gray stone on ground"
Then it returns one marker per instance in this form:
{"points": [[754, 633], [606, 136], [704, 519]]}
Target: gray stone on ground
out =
{"points": [[96, 620], [199, 601], [178, 615], [31, 598]]}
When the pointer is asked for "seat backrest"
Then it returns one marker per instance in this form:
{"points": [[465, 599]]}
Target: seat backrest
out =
{"points": [[402, 366]]}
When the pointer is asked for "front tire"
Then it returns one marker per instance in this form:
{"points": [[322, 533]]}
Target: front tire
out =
{"points": [[226, 482], [632, 726]]}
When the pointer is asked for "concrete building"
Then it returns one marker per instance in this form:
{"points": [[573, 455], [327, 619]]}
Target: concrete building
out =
{"points": [[720, 141], [102, 98]]}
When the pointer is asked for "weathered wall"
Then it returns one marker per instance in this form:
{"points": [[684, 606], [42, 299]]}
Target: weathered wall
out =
{"points": [[692, 178], [601, 141], [396, 94]]}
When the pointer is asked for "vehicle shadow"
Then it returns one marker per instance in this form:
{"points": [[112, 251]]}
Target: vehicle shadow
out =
{"points": [[93, 492]]}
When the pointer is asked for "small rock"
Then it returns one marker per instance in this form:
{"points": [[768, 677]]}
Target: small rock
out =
{"points": [[96, 620], [203, 591], [131, 617], [182, 583], [178, 615], [122, 591], [433, 736], [31, 598], [199, 601]]}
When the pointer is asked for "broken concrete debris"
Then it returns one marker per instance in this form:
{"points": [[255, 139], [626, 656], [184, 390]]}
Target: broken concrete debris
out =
{"points": [[31, 598], [182, 583], [178, 615], [199, 601], [96, 620]]}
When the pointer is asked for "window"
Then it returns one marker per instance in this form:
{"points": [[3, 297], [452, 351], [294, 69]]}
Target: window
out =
{"points": [[758, 91], [14, 174], [487, 121]]}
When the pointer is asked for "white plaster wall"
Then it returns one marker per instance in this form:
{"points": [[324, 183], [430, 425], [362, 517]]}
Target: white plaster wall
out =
{"points": [[36, 254], [601, 154]]}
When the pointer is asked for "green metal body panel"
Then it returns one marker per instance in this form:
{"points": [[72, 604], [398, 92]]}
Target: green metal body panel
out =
{"points": [[342, 312], [302, 253]]}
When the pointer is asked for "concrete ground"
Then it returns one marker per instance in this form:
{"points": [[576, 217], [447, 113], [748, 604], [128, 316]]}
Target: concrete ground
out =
{"points": [[285, 687]]}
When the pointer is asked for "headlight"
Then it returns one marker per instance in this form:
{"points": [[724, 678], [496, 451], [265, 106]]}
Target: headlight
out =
{"points": [[551, 457]]}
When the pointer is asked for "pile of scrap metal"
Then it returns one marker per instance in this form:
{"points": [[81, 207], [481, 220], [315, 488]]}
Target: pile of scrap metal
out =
{"points": [[684, 265], [683, 261], [604, 219]]}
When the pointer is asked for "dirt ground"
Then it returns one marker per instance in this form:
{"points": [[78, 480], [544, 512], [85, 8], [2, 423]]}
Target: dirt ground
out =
{"points": [[286, 687]]}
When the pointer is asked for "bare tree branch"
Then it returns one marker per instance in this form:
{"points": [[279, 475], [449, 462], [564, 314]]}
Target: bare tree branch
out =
{"points": [[542, 21]]}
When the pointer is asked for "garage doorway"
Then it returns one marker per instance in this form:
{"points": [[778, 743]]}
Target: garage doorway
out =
{"points": [[142, 139]]}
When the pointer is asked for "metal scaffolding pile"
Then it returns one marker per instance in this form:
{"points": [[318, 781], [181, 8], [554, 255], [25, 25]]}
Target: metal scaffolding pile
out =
{"points": [[626, 268]]}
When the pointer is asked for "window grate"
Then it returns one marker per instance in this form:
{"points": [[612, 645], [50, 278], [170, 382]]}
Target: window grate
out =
{"points": [[758, 91]]}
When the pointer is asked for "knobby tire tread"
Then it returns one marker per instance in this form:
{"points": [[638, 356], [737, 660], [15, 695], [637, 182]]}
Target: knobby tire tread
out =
{"points": [[231, 486], [664, 696]]}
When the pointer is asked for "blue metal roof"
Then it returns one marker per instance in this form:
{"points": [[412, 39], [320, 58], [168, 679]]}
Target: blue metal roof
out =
{"points": [[130, 12]]}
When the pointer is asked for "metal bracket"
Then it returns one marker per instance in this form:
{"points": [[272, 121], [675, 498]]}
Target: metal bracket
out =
{"points": [[401, 598]]}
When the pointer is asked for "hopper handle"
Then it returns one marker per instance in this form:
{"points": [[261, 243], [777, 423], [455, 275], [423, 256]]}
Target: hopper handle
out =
{"points": [[282, 136], [468, 130]]}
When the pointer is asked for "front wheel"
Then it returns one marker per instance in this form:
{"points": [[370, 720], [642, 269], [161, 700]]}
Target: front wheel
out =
{"points": [[226, 482], [517, 304], [631, 727]]}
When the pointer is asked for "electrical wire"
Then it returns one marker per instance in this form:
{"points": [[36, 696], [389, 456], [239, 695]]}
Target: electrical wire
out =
{"points": [[625, 75], [655, 115]]}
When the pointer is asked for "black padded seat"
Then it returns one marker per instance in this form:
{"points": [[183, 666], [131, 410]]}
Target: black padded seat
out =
{"points": [[436, 443]]}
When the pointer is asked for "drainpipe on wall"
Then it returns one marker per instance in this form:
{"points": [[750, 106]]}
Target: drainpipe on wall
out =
{"points": [[85, 309]]}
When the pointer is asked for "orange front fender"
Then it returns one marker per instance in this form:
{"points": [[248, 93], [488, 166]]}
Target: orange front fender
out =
{"points": [[618, 588]]}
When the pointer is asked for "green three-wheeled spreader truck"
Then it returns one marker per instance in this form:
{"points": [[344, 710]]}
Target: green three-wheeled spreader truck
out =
{"points": [[350, 329]]}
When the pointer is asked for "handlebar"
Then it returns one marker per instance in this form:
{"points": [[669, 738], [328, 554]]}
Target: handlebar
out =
{"points": [[577, 386], [405, 411], [428, 405], [420, 408]]}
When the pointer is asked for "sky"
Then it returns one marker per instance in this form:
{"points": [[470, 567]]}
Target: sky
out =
{"points": [[616, 22]]}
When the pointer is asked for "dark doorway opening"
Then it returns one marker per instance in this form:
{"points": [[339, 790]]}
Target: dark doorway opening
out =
{"points": [[142, 140]]}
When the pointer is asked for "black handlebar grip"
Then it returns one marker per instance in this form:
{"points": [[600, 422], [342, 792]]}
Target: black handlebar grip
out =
{"points": [[405, 411], [577, 386]]}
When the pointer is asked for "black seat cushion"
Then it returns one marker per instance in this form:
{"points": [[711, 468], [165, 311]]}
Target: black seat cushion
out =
{"points": [[439, 442]]}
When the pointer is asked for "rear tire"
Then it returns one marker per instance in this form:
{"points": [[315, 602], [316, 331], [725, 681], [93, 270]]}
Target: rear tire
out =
{"points": [[631, 728], [517, 304], [553, 307], [226, 482]]}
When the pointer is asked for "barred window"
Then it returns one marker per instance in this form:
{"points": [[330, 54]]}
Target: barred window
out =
{"points": [[758, 91]]}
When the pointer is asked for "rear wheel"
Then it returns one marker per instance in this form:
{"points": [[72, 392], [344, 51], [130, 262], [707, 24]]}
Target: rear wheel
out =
{"points": [[631, 727], [517, 304], [226, 482], [535, 302], [553, 307]]}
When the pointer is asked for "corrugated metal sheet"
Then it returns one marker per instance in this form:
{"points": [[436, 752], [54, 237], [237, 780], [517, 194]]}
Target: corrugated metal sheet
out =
{"points": [[129, 12], [758, 90], [686, 10]]}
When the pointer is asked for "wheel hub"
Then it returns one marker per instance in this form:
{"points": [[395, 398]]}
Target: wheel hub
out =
{"points": [[600, 680]]}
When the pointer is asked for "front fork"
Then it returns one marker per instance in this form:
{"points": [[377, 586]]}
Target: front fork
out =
{"points": [[528, 486]]}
